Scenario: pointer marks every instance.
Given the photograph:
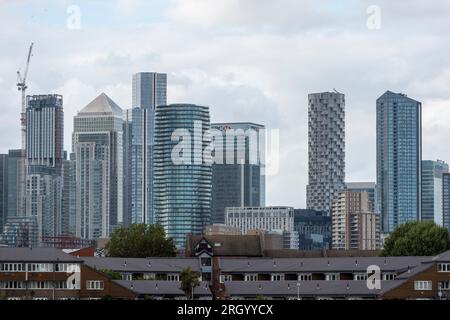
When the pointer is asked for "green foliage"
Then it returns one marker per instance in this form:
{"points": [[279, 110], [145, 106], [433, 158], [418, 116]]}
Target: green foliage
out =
{"points": [[189, 280], [107, 297], [259, 297], [140, 241], [112, 274], [417, 239]]}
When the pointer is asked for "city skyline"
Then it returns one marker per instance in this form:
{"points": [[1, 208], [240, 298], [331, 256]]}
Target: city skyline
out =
{"points": [[237, 87]]}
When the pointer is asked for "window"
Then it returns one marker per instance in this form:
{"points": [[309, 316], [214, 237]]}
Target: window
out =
{"points": [[277, 277], [305, 277], [173, 277], [423, 285], [226, 277], [206, 262], [251, 277], [389, 276], [332, 276], [12, 285], [360, 276], [444, 267], [445, 285], [95, 285], [12, 267]]}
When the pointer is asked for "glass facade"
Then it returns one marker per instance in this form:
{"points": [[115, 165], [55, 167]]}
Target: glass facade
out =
{"points": [[446, 200], [44, 152], [3, 189], [239, 182], [149, 91], [97, 145], [432, 172], [16, 183], [182, 189], [399, 156]]}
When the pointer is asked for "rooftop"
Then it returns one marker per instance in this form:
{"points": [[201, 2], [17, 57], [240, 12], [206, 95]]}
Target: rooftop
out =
{"points": [[35, 255], [102, 105]]}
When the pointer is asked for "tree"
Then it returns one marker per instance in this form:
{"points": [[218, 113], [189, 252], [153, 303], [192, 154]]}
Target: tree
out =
{"points": [[189, 280], [112, 274], [140, 241], [417, 239]]}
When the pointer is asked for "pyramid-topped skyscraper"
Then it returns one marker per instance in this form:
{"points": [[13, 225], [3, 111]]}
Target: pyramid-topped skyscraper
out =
{"points": [[97, 144]]}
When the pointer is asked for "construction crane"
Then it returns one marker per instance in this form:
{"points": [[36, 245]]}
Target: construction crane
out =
{"points": [[22, 86]]}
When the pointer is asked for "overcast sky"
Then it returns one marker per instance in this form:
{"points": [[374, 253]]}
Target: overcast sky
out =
{"points": [[248, 60]]}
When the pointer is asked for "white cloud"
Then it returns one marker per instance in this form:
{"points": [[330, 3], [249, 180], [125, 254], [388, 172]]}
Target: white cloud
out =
{"points": [[253, 60]]}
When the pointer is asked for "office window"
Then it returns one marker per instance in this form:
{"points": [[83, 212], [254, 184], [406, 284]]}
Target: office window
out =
{"points": [[95, 285], [423, 285]]}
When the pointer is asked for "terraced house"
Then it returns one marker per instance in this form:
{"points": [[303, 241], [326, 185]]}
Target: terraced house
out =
{"points": [[44, 273]]}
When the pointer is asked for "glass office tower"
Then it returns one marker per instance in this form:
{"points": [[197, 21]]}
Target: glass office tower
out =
{"points": [[149, 91], [97, 144], [399, 157], [182, 172], [3, 189], [432, 172], [240, 182], [446, 200]]}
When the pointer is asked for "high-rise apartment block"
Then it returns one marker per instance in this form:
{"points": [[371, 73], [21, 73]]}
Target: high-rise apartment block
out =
{"points": [[182, 171], [369, 187], [44, 156], [399, 159], [354, 226], [238, 173], [326, 149]]}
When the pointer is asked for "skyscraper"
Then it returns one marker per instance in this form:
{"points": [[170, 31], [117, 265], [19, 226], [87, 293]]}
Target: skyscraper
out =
{"points": [[3, 189], [240, 181], [326, 149], [16, 182], [149, 91], [182, 172], [399, 157], [446, 200], [127, 177], [432, 172], [44, 152], [97, 144], [69, 197]]}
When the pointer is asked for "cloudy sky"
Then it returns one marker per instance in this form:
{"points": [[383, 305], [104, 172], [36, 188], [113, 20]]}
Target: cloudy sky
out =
{"points": [[249, 60]]}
